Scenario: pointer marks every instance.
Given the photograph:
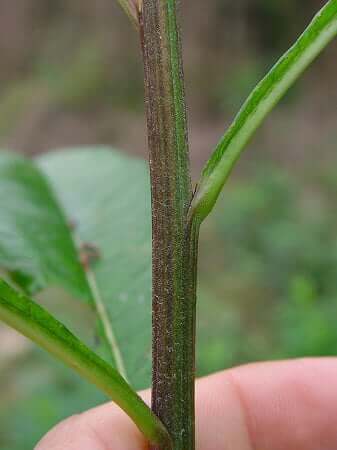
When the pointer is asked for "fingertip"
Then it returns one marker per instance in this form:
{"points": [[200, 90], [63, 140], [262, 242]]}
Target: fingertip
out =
{"points": [[102, 428], [271, 406], [69, 435], [290, 404]]}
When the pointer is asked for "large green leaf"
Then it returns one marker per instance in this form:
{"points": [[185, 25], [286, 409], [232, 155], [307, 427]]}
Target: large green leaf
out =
{"points": [[105, 196]]}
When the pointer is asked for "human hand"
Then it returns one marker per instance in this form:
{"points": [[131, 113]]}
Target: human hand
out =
{"points": [[290, 405]]}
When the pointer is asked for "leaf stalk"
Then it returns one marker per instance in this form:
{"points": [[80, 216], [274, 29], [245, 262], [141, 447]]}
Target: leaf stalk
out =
{"points": [[31, 320], [261, 101]]}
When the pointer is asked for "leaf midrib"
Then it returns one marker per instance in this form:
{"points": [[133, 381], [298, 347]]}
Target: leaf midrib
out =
{"points": [[102, 312]]}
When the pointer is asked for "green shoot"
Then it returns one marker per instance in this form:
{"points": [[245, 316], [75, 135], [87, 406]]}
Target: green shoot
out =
{"points": [[262, 100], [131, 9]]}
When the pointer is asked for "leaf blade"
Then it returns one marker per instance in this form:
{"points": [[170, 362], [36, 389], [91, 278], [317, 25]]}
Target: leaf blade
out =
{"points": [[114, 216], [35, 241]]}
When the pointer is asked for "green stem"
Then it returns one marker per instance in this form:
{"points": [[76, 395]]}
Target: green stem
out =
{"points": [[174, 243], [131, 9], [262, 100], [27, 317]]}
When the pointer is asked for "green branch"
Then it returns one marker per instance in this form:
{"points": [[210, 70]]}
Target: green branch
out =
{"points": [[27, 317], [131, 9], [262, 100]]}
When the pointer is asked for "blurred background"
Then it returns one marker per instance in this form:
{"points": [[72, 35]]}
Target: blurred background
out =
{"points": [[71, 75]]}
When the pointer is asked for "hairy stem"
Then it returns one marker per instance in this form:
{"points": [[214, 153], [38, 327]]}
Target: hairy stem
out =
{"points": [[174, 244]]}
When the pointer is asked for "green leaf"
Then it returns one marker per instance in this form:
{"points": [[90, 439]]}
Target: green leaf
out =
{"points": [[35, 240], [106, 197], [262, 100], [30, 319]]}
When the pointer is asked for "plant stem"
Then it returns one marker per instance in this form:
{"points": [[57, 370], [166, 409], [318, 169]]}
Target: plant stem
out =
{"points": [[174, 238]]}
